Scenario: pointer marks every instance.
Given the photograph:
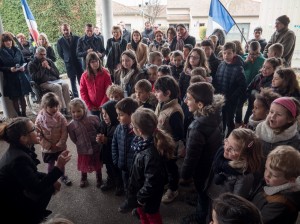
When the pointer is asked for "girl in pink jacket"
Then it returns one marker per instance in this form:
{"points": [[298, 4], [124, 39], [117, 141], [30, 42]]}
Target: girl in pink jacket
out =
{"points": [[52, 127]]}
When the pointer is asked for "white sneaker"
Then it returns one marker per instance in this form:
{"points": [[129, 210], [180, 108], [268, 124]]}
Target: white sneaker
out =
{"points": [[169, 196]]}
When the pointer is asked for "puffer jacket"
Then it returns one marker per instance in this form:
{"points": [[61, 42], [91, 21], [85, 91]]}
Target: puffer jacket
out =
{"points": [[53, 131], [203, 140], [122, 154], [83, 133]]}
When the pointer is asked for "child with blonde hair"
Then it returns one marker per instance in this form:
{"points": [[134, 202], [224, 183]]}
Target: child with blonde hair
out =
{"points": [[83, 130], [115, 92], [52, 127], [152, 148], [278, 199]]}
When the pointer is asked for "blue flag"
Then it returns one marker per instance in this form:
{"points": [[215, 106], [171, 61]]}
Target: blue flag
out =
{"points": [[219, 15], [31, 23]]}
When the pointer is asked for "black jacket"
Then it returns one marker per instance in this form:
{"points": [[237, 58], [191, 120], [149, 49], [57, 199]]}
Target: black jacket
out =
{"points": [[203, 140], [147, 179], [113, 54], [67, 52], [189, 40], [213, 63], [40, 74], [24, 191], [85, 43]]}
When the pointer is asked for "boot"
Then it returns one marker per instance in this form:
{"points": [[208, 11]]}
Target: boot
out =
{"points": [[83, 181], [108, 184], [99, 179]]}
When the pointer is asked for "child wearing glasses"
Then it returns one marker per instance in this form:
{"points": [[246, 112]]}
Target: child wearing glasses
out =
{"points": [[234, 167], [196, 58], [52, 127]]}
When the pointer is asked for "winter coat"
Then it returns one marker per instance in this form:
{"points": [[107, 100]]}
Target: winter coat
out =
{"points": [[114, 55], [129, 88], [126, 35], [176, 71], [270, 140], [67, 52], [93, 90], [23, 189], [53, 131], [203, 139], [230, 80], [15, 84], [39, 74], [241, 184], [252, 68], [85, 43], [108, 130], [155, 46], [147, 34], [150, 103], [83, 133], [213, 63], [280, 207], [141, 53], [122, 154], [146, 182], [189, 40], [257, 83], [184, 83], [287, 38]]}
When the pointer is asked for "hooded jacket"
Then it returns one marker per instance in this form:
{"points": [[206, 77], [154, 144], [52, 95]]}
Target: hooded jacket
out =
{"points": [[203, 139]]}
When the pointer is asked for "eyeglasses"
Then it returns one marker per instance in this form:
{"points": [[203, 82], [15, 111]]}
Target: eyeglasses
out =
{"points": [[32, 130], [194, 57], [229, 147]]}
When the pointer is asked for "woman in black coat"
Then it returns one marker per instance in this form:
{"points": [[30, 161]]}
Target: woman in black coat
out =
{"points": [[24, 191], [15, 82]]}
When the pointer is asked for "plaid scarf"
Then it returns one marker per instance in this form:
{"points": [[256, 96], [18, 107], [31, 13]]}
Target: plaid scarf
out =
{"points": [[139, 144]]}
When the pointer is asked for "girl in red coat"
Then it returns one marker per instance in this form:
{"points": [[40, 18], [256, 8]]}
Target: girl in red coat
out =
{"points": [[93, 84]]}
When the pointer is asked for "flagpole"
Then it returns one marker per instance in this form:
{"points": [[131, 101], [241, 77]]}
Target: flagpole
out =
{"points": [[234, 22]]}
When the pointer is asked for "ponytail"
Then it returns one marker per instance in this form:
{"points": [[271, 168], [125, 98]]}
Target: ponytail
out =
{"points": [[164, 143]]}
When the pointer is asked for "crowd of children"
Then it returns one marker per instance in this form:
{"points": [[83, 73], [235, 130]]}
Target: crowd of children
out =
{"points": [[137, 124]]}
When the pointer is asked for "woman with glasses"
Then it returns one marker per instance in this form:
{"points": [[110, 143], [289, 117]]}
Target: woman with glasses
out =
{"points": [[24, 191]]}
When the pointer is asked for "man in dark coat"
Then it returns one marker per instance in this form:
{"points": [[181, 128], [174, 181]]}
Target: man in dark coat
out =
{"points": [[89, 43], [126, 34], [66, 48]]}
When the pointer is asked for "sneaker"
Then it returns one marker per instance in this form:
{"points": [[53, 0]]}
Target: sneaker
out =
{"points": [[84, 183], [124, 207], [66, 180], [108, 184], [169, 196]]}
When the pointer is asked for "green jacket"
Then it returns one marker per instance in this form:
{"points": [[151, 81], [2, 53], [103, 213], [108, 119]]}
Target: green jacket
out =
{"points": [[252, 68]]}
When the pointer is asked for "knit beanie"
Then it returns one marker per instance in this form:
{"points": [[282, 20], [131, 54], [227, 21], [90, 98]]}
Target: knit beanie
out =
{"points": [[284, 20]]}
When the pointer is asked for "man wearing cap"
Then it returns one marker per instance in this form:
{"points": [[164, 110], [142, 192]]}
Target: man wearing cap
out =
{"points": [[284, 36]]}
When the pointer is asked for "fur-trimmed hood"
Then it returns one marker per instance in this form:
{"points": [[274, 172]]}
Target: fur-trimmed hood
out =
{"points": [[217, 104]]}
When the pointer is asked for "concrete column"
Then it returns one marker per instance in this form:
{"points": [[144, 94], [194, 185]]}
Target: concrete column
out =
{"points": [[6, 103], [107, 18]]}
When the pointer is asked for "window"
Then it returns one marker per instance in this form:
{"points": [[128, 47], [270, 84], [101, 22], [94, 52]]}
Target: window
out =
{"points": [[234, 33]]}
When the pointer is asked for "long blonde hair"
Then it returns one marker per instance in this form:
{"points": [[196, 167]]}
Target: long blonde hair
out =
{"points": [[145, 120], [46, 38]]}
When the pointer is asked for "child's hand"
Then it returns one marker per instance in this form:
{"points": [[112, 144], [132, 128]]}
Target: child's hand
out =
{"points": [[62, 159]]}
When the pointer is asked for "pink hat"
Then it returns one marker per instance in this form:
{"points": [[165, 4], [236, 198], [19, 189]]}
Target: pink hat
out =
{"points": [[288, 103]]}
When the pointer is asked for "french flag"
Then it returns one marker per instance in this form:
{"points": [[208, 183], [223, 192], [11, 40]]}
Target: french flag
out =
{"points": [[219, 17], [31, 23]]}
